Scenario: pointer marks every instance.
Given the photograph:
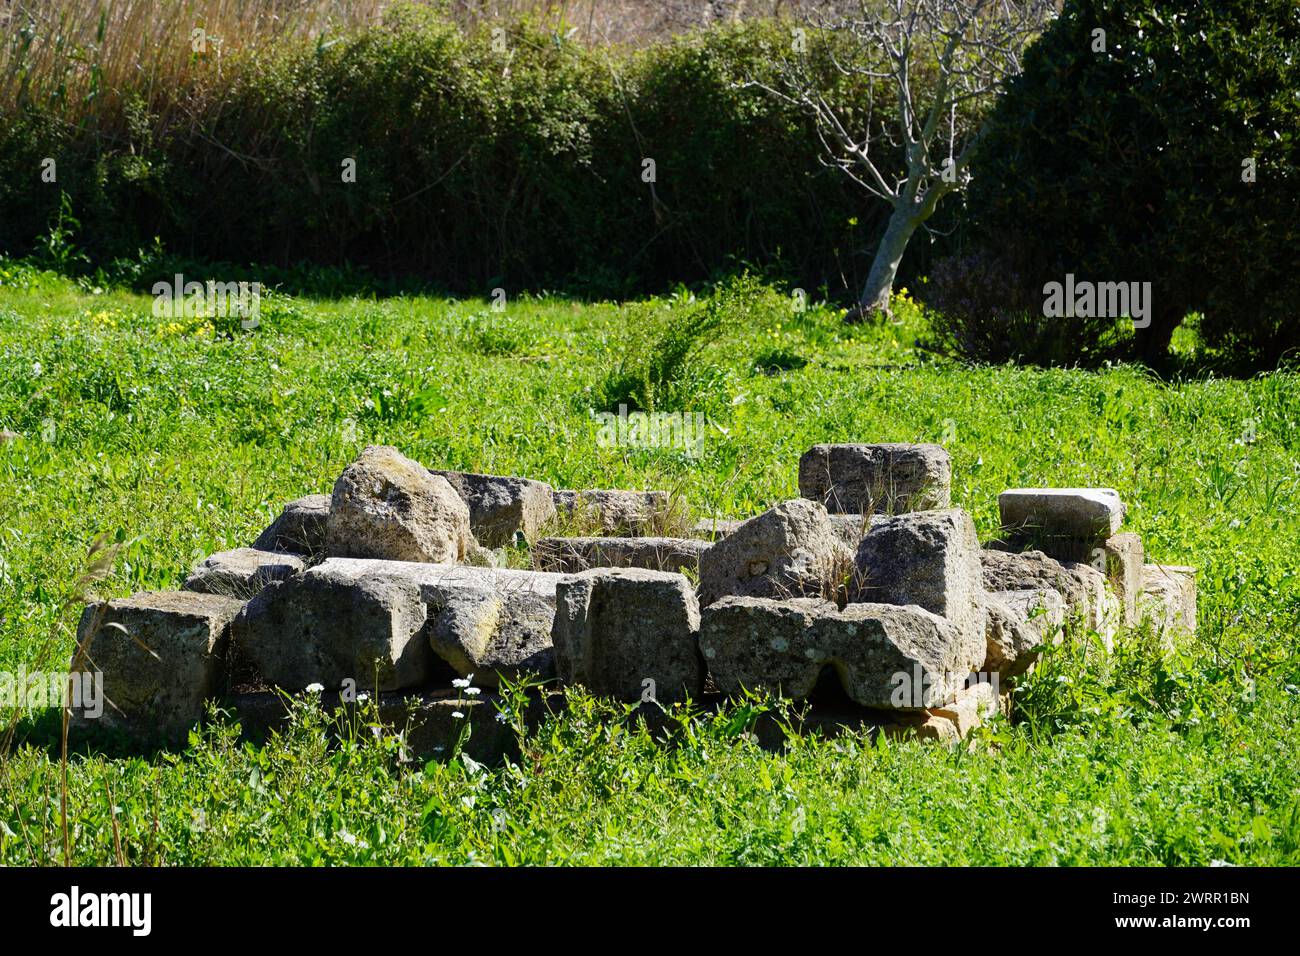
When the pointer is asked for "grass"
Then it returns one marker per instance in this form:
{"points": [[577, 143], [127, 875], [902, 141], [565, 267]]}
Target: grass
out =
{"points": [[93, 58], [177, 439]]}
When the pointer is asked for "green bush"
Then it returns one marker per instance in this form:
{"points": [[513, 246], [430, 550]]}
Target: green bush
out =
{"points": [[660, 367], [983, 309], [1127, 165], [474, 168]]}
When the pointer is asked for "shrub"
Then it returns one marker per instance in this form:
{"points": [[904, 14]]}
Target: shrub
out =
{"points": [[659, 367], [474, 168], [1127, 165], [984, 308]]}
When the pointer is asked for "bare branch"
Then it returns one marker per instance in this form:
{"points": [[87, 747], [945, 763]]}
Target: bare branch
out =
{"points": [[940, 62]]}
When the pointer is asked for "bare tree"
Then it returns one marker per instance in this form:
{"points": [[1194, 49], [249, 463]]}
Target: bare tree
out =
{"points": [[942, 61]]}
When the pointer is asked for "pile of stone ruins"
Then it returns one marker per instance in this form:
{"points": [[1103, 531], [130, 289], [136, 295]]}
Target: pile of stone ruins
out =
{"points": [[869, 597]]}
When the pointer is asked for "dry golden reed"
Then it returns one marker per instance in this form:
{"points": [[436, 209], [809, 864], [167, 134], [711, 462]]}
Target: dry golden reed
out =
{"points": [[84, 57]]}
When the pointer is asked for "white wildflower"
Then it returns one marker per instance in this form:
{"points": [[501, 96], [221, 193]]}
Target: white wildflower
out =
{"points": [[349, 838]]}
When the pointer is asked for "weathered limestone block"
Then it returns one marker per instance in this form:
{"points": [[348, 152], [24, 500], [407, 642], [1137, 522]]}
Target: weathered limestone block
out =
{"points": [[929, 558], [952, 722], [791, 550], [1083, 587], [882, 479], [936, 727], [387, 507], [629, 633], [338, 621], [852, 528], [500, 506], [613, 511], [241, 573], [494, 626], [481, 557], [885, 655], [1122, 557], [1066, 523], [299, 528], [384, 624], [765, 644], [1169, 599], [431, 723], [572, 555], [900, 656], [1018, 622], [713, 529], [1107, 613], [920, 725], [162, 655], [970, 707]]}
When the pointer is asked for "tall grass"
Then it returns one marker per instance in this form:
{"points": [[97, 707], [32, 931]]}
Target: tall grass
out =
{"points": [[83, 56]]}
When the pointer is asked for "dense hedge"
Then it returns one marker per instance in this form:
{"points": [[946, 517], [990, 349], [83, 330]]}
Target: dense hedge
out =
{"points": [[474, 168], [1127, 165]]}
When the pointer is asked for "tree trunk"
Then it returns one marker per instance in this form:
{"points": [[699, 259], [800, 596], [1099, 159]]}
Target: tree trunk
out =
{"points": [[880, 281], [1153, 342]]}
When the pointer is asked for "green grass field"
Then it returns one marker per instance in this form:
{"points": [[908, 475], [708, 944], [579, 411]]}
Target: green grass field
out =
{"points": [[175, 440]]}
